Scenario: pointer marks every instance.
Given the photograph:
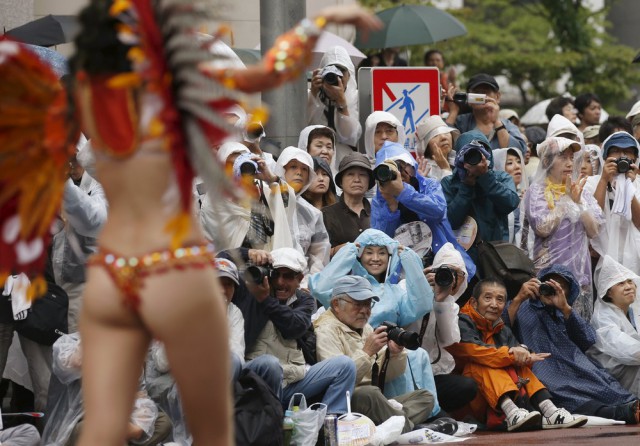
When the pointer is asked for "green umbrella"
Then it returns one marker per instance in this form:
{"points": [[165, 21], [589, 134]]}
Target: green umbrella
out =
{"points": [[412, 25]]}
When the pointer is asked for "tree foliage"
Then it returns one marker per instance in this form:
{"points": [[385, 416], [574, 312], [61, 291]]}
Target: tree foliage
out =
{"points": [[543, 47]]}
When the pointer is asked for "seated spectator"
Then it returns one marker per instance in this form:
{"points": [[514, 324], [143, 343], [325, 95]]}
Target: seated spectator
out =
{"points": [[147, 425], [328, 379], [591, 135], [485, 118], [412, 197], [435, 144], [612, 125], [616, 318], [489, 353], [346, 219], [319, 141], [511, 161], [618, 195], [345, 330], [564, 106], [562, 217], [336, 105], [263, 223], [548, 323], [561, 127], [383, 262], [589, 107], [296, 167], [380, 127], [478, 190], [322, 190], [454, 391]]}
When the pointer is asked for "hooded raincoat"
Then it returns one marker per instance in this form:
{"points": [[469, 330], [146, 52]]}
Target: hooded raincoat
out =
{"points": [[617, 347], [308, 229], [427, 202], [575, 382], [348, 128], [489, 202], [560, 232], [370, 125], [514, 218], [403, 300], [303, 143]]}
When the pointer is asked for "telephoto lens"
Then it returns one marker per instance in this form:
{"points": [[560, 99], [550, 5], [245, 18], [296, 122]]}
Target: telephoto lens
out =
{"points": [[444, 276], [256, 274], [407, 339], [473, 157], [383, 173]]}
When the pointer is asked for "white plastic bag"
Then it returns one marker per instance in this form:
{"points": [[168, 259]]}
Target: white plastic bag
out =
{"points": [[307, 420]]}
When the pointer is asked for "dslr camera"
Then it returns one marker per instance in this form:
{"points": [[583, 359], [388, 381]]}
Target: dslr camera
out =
{"points": [[461, 98], [546, 289], [444, 276], [624, 164], [473, 156], [247, 165], [385, 172], [407, 339], [330, 75], [256, 274]]}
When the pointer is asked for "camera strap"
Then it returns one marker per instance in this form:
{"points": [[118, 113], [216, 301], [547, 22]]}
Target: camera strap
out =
{"points": [[423, 330], [378, 377]]}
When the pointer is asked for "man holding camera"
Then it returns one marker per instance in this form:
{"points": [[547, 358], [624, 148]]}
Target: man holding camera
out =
{"points": [[288, 336], [344, 330], [485, 114], [617, 191], [542, 318], [333, 100], [405, 196]]}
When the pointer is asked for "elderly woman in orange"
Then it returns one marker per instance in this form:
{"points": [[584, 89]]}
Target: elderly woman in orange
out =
{"points": [[152, 101], [490, 354]]}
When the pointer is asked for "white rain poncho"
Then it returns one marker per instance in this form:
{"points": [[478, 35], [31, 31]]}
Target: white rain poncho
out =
{"points": [[562, 228], [617, 347], [593, 154], [227, 223], [559, 125], [370, 125], [620, 238], [444, 316], [309, 230], [516, 217], [348, 128], [68, 408]]}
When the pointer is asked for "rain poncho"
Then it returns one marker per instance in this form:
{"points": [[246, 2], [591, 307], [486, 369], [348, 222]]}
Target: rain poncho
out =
{"points": [[427, 203], [370, 125], [575, 382], [444, 317], [403, 300], [560, 233], [348, 128], [559, 125], [68, 409], [620, 238], [617, 347], [592, 153], [499, 165], [227, 223], [308, 228], [489, 202]]}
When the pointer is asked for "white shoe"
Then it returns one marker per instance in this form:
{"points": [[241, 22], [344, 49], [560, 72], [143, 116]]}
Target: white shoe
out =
{"points": [[562, 419], [522, 419]]}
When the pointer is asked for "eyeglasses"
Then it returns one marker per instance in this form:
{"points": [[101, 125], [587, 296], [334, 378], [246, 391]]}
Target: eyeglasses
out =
{"points": [[360, 303], [287, 275]]}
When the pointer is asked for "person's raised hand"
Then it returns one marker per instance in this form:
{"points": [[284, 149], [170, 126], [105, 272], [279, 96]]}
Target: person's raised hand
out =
{"points": [[259, 291], [475, 172], [423, 165], [559, 299], [260, 257], [633, 172], [528, 290], [394, 348], [375, 341], [609, 170], [353, 14], [335, 92], [574, 189], [316, 82]]}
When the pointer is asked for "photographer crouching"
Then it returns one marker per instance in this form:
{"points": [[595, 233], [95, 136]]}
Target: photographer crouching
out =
{"points": [[344, 330]]}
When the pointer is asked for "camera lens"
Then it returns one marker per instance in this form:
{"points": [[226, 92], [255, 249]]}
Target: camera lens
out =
{"points": [[408, 339], [248, 168], [460, 98], [546, 290], [444, 276], [383, 173], [473, 157], [256, 274], [624, 165], [330, 78]]}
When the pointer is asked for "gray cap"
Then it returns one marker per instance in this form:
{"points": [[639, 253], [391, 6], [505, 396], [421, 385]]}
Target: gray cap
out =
{"points": [[356, 287]]}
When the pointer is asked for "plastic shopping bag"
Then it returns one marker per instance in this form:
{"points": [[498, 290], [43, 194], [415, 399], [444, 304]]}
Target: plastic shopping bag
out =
{"points": [[307, 420]]}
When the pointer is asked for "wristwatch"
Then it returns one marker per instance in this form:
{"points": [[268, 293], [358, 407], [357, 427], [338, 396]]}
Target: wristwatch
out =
{"points": [[497, 129]]}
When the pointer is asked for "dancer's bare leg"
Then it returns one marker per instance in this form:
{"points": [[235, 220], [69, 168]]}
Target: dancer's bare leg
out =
{"points": [[114, 345], [184, 310]]}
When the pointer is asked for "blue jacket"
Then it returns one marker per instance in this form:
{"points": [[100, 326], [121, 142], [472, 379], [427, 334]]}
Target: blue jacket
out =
{"points": [[489, 202], [428, 203], [574, 380], [466, 122]]}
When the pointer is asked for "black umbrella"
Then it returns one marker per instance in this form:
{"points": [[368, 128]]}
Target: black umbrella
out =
{"points": [[47, 31]]}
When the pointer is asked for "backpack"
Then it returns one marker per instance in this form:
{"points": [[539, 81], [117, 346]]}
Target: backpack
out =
{"points": [[46, 320], [258, 412], [504, 261]]}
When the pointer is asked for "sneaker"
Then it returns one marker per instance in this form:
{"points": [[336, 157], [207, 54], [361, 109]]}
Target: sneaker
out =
{"points": [[562, 419], [444, 425], [522, 419]]}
